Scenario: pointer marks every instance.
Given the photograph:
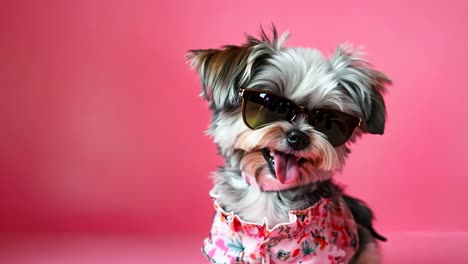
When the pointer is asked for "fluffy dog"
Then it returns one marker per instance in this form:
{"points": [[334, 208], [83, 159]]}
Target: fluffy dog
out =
{"points": [[283, 120]]}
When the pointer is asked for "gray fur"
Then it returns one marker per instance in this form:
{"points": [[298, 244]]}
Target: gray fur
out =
{"points": [[363, 84], [224, 71]]}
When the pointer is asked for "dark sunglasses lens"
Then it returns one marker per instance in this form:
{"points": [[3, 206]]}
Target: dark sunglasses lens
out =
{"points": [[261, 109], [337, 126]]}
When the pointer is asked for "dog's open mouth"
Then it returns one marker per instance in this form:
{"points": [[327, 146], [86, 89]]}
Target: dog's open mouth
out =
{"points": [[285, 167]]}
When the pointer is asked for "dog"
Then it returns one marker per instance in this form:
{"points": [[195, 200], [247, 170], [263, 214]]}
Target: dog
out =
{"points": [[283, 119]]}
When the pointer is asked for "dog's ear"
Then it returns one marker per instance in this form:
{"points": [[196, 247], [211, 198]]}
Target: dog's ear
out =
{"points": [[363, 84], [224, 71]]}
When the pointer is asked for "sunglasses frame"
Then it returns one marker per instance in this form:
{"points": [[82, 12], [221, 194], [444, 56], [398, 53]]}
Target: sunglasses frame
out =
{"points": [[243, 92]]}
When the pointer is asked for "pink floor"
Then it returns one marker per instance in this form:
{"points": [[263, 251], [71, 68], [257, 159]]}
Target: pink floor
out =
{"points": [[411, 248]]}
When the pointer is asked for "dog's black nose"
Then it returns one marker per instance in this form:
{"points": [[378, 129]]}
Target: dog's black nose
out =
{"points": [[297, 139]]}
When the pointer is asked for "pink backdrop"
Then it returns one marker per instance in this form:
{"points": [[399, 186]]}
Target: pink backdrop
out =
{"points": [[102, 128]]}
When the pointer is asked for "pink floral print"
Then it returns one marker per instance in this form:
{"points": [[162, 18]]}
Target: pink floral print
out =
{"points": [[323, 233]]}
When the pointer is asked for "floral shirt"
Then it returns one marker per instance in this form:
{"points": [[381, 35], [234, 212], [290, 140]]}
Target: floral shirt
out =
{"points": [[323, 233]]}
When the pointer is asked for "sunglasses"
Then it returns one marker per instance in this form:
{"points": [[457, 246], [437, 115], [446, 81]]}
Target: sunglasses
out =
{"points": [[261, 108]]}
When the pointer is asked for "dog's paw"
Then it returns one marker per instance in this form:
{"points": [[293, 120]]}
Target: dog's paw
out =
{"points": [[370, 255]]}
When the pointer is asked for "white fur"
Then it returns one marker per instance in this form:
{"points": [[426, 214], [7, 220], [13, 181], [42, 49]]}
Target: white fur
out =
{"points": [[300, 74]]}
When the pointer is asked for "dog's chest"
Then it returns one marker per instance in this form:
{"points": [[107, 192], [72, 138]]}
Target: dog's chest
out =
{"points": [[323, 233]]}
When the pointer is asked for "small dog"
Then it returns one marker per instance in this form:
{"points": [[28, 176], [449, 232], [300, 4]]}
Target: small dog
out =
{"points": [[283, 119]]}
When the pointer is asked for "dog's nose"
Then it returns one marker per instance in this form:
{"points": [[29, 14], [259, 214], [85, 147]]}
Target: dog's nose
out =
{"points": [[297, 139]]}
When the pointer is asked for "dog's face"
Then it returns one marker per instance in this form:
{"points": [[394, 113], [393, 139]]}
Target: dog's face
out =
{"points": [[283, 117]]}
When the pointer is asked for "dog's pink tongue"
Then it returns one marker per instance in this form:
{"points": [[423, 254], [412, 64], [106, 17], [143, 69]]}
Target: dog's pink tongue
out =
{"points": [[286, 168]]}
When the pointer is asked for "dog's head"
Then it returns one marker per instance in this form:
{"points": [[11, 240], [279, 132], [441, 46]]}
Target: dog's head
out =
{"points": [[284, 116]]}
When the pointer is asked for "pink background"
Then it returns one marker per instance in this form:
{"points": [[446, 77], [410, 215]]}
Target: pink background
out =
{"points": [[101, 126]]}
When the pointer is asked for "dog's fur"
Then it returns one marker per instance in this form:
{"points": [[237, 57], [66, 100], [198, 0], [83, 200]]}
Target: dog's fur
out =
{"points": [[343, 81]]}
